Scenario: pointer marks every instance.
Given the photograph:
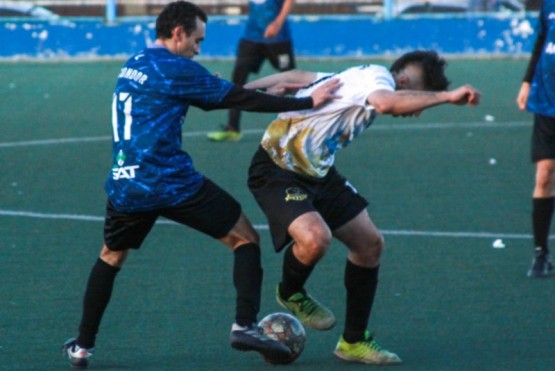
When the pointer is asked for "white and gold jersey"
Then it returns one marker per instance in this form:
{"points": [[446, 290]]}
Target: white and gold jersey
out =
{"points": [[306, 141]]}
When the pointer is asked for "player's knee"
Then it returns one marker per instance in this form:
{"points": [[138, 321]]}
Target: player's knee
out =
{"points": [[377, 243], [315, 246], [254, 238], [113, 258], [374, 249], [545, 176], [544, 186]]}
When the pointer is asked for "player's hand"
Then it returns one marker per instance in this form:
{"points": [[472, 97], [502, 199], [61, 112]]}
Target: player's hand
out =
{"points": [[465, 95], [523, 94], [325, 92], [284, 88], [272, 30]]}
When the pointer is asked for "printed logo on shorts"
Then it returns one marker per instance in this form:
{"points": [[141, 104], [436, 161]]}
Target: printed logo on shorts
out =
{"points": [[295, 194], [284, 61]]}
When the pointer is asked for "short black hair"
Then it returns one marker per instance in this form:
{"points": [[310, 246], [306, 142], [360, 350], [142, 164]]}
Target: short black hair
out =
{"points": [[433, 68], [178, 13]]}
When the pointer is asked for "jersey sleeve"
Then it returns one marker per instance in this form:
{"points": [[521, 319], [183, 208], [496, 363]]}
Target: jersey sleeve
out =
{"points": [[193, 82], [364, 80], [537, 50]]}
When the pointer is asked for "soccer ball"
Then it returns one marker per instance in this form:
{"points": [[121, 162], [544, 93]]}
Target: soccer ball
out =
{"points": [[286, 329]]}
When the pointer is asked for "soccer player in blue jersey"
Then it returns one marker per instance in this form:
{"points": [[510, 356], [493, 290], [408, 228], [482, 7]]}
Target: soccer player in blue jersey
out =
{"points": [[152, 176], [267, 36], [307, 201], [537, 95]]}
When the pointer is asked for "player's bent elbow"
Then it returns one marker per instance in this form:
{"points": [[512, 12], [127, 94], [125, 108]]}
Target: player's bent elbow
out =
{"points": [[383, 107]]}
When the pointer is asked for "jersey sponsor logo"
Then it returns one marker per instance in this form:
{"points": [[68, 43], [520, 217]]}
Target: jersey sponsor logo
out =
{"points": [[550, 48], [123, 172], [295, 194]]}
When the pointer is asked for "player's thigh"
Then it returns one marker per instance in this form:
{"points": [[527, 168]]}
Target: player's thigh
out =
{"points": [[360, 234], [543, 138], [211, 211], [241, 233], [282, 195], [123, 231], [283, 202], [250, 57], [338, 201]]}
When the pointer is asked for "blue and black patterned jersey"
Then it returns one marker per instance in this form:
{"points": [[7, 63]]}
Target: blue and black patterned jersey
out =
{"points": [[261, 14], [542, 93], [153, 93]]}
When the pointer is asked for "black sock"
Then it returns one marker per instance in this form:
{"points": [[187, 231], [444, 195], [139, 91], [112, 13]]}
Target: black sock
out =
{"points": [[542, 212], [361, 284], [97, 296], [247, 278], [294, 274]]}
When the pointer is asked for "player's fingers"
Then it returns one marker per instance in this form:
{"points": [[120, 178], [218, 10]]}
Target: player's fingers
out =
{"points": [[331, 86], [473, 97]]}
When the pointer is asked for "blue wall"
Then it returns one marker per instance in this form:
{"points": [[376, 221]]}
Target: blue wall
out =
{"points": [[315, 36]]}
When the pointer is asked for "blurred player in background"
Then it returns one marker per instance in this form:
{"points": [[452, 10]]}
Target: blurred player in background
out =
{"points": [[537, 95], [152, 176], [267, 36], [307, 201]]}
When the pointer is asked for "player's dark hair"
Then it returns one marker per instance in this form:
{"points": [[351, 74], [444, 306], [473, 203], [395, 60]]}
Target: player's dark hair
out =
{"points": [[178, 13], [433, 68]]}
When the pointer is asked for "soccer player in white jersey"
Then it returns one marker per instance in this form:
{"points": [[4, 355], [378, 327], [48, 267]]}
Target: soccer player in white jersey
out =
{"points": [[307, 201]]}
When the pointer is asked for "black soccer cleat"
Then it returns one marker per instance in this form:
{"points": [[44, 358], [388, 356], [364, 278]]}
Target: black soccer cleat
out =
{"points": [[251, 337], [541, 265]]}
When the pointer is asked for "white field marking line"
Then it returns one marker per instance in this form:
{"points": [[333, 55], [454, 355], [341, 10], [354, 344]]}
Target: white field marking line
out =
{"points": [[465, 125], [90, 218]]}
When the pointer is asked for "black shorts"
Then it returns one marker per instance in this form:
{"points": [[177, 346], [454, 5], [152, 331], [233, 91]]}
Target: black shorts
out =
{"points": [[212, 211], [251, 55], [543, 138], [284, 195]]}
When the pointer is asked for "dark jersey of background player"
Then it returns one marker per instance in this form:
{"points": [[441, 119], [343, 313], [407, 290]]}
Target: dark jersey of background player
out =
{"points": [[261, 14], [537, 95], [541, 68]]}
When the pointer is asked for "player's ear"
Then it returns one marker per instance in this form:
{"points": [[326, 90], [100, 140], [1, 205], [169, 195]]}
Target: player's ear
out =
{"points": [[178, 32]]}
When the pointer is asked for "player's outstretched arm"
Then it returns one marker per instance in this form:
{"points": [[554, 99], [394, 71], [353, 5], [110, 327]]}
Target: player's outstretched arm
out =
{"points": [[290, 81], [256, 101], [289, 77], [413, 102]]}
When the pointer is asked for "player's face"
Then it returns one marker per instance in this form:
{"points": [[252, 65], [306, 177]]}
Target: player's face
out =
{"points": [[188, 45], [410, 78]]}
